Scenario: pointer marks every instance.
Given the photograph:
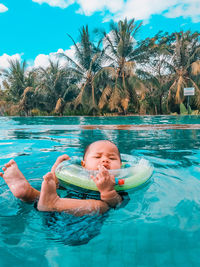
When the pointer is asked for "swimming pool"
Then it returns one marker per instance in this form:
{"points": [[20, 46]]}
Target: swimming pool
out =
{"points": [[160, 225]]}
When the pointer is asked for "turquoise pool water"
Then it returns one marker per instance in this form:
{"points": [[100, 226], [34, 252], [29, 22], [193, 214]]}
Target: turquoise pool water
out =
{"points": [[160, 225]]}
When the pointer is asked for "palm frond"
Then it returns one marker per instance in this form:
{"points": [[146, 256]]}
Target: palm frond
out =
{"points": [[178, 96], [115, 99], [196, 67], [76, 65], [104, 97]]}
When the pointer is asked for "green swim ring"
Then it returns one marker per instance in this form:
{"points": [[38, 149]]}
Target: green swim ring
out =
{"points": [[134, 172]]}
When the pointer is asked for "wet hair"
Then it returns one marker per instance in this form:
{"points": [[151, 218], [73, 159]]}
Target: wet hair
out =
{"points": [[87, 148]]}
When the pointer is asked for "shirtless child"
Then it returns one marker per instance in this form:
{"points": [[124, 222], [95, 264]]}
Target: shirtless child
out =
{"points": [[101, 155]]}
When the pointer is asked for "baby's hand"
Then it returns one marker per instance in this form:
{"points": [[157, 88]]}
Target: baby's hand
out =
{"points": [[105, 183], [103, 180], [58, 161]]}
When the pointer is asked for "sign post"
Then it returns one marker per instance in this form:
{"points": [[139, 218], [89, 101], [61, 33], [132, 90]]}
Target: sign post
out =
{"points": [[189, 92]]}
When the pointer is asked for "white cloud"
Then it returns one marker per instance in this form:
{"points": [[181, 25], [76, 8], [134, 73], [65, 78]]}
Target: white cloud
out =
{"points": [[144, 9], [88, 7], [138, 9], [56, 3], [4, 60], [4, 63], [69, 52], [3, 8], [43, 60], [185, 8]]}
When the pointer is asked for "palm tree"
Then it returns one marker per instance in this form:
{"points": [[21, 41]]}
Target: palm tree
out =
{"points": [[85, 66], [184, 64], [120, 46], [17, 83], [28, 101], [154, 71], [55, 87], [17, 79]]}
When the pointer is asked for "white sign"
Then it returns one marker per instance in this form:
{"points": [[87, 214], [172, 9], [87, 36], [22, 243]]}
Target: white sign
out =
{"points": [[189, 91]]}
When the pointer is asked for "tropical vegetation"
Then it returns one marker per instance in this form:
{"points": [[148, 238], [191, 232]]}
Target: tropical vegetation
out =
{"points": [[110, 73]]}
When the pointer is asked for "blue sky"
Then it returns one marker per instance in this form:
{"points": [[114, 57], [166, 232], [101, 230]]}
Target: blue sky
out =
{"points": [[35, 30]]}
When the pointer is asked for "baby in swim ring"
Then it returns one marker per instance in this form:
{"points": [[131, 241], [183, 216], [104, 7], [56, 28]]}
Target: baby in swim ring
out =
{"points": [[101, 155]]}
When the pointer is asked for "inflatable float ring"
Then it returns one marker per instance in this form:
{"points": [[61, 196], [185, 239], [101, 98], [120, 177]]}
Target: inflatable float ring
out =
{"points": [[134, 172]]}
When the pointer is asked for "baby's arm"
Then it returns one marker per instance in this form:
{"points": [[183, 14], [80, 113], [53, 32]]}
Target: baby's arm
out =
{"points": [[105, 183], [80, 207], [50, 201]]}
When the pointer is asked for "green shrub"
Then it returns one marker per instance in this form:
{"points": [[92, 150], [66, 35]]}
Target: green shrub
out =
{"points": [[183, 110]]}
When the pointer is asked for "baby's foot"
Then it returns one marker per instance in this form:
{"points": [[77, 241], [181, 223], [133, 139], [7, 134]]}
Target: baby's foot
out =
{"points": [[17, 183], [48, 194], [58, 161]]}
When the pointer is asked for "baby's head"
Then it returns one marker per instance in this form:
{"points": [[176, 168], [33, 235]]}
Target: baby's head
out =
{"points": [[103, 153]]}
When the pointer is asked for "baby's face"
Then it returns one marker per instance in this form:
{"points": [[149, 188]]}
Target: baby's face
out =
{"points": [[102, 153]]}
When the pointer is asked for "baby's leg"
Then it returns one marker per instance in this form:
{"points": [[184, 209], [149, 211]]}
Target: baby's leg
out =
{"points": [[17, 183], [50, 201], [48, 195]]}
